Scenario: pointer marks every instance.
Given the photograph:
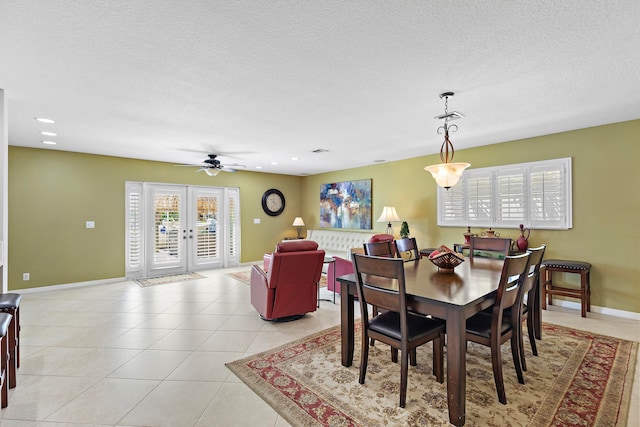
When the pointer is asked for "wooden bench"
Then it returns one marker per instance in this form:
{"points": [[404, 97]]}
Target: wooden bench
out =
{"points": [[563, 266]]}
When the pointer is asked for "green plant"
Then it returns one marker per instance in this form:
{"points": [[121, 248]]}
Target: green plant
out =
{"points": [[404, 230]]}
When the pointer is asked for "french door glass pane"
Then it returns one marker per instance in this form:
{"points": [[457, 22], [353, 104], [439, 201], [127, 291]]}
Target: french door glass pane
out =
{"points": [[167, 228]]}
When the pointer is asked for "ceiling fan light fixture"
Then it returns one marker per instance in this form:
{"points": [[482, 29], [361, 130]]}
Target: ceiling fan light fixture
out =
{"points": [[212, 171], [447, 174]]}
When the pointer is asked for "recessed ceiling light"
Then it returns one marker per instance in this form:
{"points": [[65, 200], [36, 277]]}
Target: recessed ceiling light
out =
{"points": [[43, 120], [258, 167], [274, 163], [295, 158], [49, 142], [49, 133]]}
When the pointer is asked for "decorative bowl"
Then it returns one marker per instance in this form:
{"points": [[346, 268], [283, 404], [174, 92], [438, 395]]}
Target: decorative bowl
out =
{"points": [[446, 261]]}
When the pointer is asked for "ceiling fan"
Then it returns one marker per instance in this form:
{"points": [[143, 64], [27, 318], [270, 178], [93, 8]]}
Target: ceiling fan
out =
{"points": [[212, 166]]}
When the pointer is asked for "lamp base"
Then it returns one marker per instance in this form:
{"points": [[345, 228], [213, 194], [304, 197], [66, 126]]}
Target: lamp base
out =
{"points": [[389, 229]]}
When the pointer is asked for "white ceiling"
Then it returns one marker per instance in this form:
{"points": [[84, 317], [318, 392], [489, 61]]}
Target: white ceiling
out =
{"points": [[263, 81]]}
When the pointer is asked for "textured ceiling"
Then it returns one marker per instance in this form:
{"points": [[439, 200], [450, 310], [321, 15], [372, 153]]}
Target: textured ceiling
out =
{"points": [[263, 81]]}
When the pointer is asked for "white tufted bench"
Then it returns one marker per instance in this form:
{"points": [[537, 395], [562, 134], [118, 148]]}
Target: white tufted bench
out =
{"points": [[339, 243]]}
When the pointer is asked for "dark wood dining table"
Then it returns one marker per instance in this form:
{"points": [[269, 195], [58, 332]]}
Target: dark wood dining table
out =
{"points": [[453, 297]]}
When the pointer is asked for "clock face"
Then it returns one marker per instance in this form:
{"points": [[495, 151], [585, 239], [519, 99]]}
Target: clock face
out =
{"points": [[273, 202]]}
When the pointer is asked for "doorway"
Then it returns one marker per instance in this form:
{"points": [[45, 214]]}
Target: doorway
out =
{"points": [[172, 229]]}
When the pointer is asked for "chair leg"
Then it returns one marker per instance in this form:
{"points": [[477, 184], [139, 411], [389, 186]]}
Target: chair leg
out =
{"points": [[404, 372], [496, 361], [13, 345], [412, 357], [364, 358], [4, 374], [517, 357], [521, 347], [532, 337], [394, 355]]}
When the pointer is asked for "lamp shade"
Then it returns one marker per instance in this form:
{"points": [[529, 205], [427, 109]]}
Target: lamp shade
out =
{"points": [[447, 174], [298, 222], [389, 214]]}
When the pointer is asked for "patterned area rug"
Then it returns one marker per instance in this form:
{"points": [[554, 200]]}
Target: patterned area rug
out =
{"points": [[578, 379], [163, 280], [245, 277]]}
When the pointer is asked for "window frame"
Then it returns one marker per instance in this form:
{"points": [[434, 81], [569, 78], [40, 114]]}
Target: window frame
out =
{"points": [[501, 197]]}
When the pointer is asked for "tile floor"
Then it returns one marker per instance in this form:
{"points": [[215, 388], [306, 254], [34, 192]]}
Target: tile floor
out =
{"points": [[122, 355]]}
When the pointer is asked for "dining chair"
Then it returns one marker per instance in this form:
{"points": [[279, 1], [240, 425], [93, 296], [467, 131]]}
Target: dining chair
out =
{"points": [[379, 245], [495, 328], [407, 249], [5, 321], [530, 288], [381, 282], [384, 249], [10, 304], [489, 247]]}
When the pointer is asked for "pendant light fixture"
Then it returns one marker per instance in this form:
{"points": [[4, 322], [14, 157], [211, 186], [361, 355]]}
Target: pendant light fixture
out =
{"points": [[447, 173]]}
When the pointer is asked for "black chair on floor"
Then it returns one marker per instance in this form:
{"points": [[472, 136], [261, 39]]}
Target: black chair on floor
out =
{"points": [[10, 304], [5, 321], [380, 282], [494, 328]]}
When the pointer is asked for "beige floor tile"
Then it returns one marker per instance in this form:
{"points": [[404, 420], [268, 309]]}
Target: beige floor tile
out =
{"points": [[107, 402], [205, 366], [138, 338], [46, 360], [36, 397], [243, 323], [205, 322], [173, 403], [164, 321], [183, 339], [151, 365], [236, 405], [238, 341], [99, 362]]}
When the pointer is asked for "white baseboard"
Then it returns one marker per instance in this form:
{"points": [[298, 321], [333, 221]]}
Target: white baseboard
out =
{"points": [[595, 309], [70, 285]]}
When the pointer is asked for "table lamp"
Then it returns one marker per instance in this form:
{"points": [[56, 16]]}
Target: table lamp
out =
{"points": [[298, 222], [389, 214]]}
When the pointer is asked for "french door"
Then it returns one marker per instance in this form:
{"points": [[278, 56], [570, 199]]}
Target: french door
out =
{"points": [[176, 228]]}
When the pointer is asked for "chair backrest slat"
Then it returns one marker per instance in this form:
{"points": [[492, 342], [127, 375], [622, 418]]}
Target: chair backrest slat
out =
{"points": [[409, 248], [379, 248], [499, 245], [514, 271]]}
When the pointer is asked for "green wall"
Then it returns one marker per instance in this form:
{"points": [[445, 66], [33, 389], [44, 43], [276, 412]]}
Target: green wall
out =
{"points": [[606, 203], [53, 193]]}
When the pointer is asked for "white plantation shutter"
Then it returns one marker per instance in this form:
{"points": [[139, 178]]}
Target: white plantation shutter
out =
{"points": [[536, 194], [479, 198], [233, 237], [453, 210], [511, 197], [134, 232], [550, 205]]}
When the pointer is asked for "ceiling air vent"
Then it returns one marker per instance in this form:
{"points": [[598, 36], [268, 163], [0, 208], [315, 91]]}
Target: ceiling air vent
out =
{"points": [[320, 150]]}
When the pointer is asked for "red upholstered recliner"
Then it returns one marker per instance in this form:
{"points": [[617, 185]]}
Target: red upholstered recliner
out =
{"points": [[290, 288]]}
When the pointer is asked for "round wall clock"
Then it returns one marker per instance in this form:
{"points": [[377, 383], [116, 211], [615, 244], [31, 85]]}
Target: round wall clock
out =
{"points": [[273, 202]]}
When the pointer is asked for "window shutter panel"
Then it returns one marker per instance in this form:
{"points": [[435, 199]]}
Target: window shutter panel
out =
{"points": [[511, 196], [453, 210], [233, 213], [134, 237], [550, 200], [479, 198]]}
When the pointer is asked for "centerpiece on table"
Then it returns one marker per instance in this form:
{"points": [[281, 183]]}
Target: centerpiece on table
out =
{"points": [[445, 259]]}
